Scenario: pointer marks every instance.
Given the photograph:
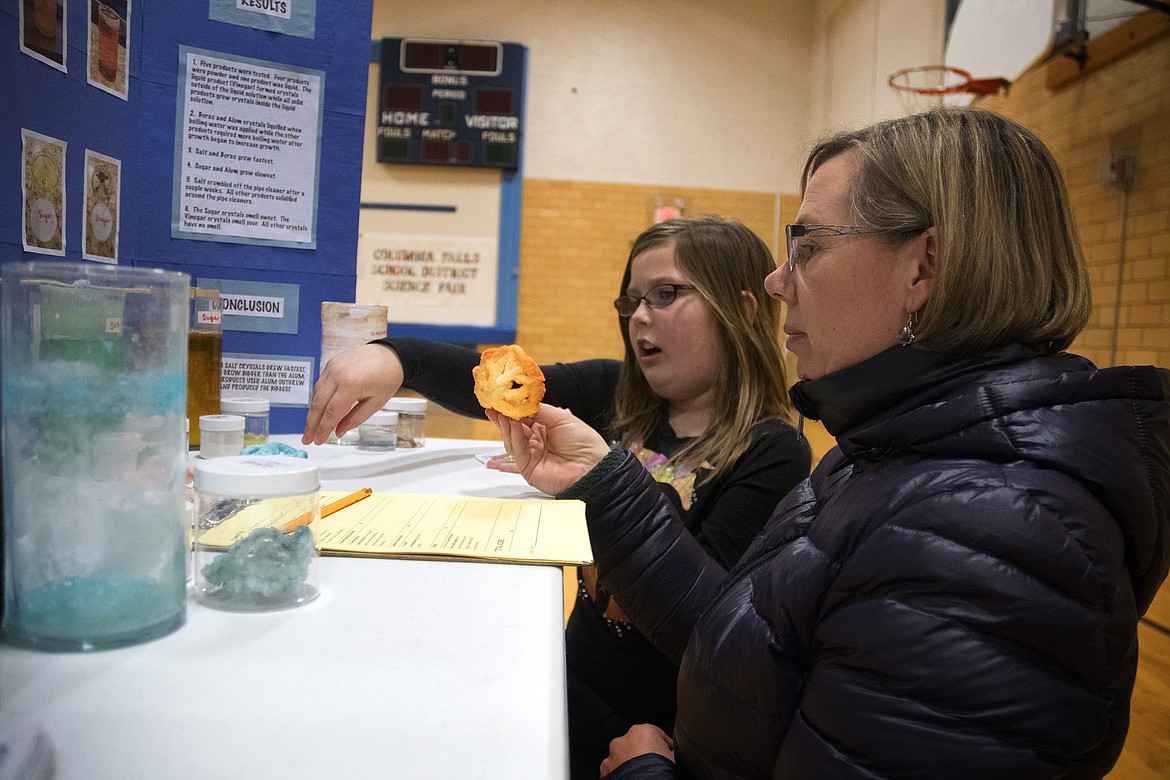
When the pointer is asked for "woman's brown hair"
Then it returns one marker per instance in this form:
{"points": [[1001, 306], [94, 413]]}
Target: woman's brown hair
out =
{"points": [[1010, 266]]}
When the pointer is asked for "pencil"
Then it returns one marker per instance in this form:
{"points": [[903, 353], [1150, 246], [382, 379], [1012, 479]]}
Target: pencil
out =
{"points": [[327, 510]]}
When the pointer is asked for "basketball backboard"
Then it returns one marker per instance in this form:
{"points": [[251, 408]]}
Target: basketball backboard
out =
{"points": [[1004, 38]]}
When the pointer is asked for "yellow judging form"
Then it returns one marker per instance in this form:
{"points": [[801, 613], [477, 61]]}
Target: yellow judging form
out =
{"points": [[432, 526]]}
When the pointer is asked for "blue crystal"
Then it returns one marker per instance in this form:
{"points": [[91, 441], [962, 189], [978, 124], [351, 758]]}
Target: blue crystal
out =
{"points": [[274, 448], [265, 569], [97, 611]]}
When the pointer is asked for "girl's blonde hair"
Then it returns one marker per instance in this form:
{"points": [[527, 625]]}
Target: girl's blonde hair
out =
{"points": [[722, 258]]}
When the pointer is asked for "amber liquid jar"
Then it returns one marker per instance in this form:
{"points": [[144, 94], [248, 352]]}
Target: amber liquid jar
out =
{"points": [[204, 357]]}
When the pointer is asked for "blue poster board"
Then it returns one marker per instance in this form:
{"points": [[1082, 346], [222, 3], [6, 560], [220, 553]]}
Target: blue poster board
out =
{"points": [[140, 132]]}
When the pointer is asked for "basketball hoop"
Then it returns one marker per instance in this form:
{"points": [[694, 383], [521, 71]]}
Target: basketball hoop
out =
{"points": [[924, 86]]}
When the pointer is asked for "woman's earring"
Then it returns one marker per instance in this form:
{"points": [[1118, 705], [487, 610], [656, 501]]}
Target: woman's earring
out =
{"points": [[906, 332]]}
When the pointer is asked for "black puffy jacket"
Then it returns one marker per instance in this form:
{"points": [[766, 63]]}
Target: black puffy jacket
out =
{"points": [[953, 593]]}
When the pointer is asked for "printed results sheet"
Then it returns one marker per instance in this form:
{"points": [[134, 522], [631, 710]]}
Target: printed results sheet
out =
{"points": [[409, 524], [431, 526]]}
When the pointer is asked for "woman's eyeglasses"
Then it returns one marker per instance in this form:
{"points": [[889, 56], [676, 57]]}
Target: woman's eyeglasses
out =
{"points": [[799, 254], [656, 298]]}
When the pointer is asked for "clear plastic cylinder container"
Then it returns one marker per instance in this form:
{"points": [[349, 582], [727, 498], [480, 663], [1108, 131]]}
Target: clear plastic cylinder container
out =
{"points": [[412, 420], [254, 548], [346, 325], [379, 433], [220, 435], [255, 414], [93, 371]]}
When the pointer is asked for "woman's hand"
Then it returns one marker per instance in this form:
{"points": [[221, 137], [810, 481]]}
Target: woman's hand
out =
{"points": [[354, 384], [553, 449], [505, 463], [639, 740]]}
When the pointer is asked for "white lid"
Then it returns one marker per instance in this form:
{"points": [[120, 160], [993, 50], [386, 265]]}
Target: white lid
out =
{"points": [[256, 475], [221, 422], [406, 405], [243, 405], [382, 418]]}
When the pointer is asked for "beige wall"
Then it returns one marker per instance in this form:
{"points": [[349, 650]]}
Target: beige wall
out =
{"points": [[859, 44], [688, 93]]}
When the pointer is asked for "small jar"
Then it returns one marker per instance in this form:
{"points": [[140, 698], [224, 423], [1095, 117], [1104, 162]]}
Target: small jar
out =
{"points": [[220, 435], [253, 546], [255, 414], [379, 433], [412, 420], [351, 438]]}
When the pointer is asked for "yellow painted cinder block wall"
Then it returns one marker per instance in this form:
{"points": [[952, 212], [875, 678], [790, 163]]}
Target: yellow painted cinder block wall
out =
{"points": [[575, 240], [1123, 107]]}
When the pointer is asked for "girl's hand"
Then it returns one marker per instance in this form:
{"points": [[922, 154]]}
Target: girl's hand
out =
{"points": [[355, 384]]}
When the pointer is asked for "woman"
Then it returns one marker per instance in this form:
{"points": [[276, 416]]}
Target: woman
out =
{"points": [[954, 592], [699, 399]]}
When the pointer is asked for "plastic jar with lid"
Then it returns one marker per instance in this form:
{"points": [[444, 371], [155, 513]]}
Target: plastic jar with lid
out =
{"points": [[412, 420], [255, 414], [220, 435], [253, 547], [379, 433]]}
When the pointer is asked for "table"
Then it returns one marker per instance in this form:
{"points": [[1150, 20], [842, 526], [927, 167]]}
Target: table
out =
{"points": [[444, 466], [401, 668]]}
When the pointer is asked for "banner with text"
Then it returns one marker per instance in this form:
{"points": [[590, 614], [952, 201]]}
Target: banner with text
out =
{"points": [[284, 381], [433, 280], [248, 150], [290, 17], [263, 307]]}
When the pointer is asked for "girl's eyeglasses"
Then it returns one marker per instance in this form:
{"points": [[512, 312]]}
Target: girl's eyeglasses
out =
{"points": [[656, 298]]}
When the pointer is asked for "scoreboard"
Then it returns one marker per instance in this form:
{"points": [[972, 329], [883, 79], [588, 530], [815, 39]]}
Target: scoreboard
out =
{"points": [[451, 103]]}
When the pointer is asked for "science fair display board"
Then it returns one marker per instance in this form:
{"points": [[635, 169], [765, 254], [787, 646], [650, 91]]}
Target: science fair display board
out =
{"points": [[218, 138]]}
